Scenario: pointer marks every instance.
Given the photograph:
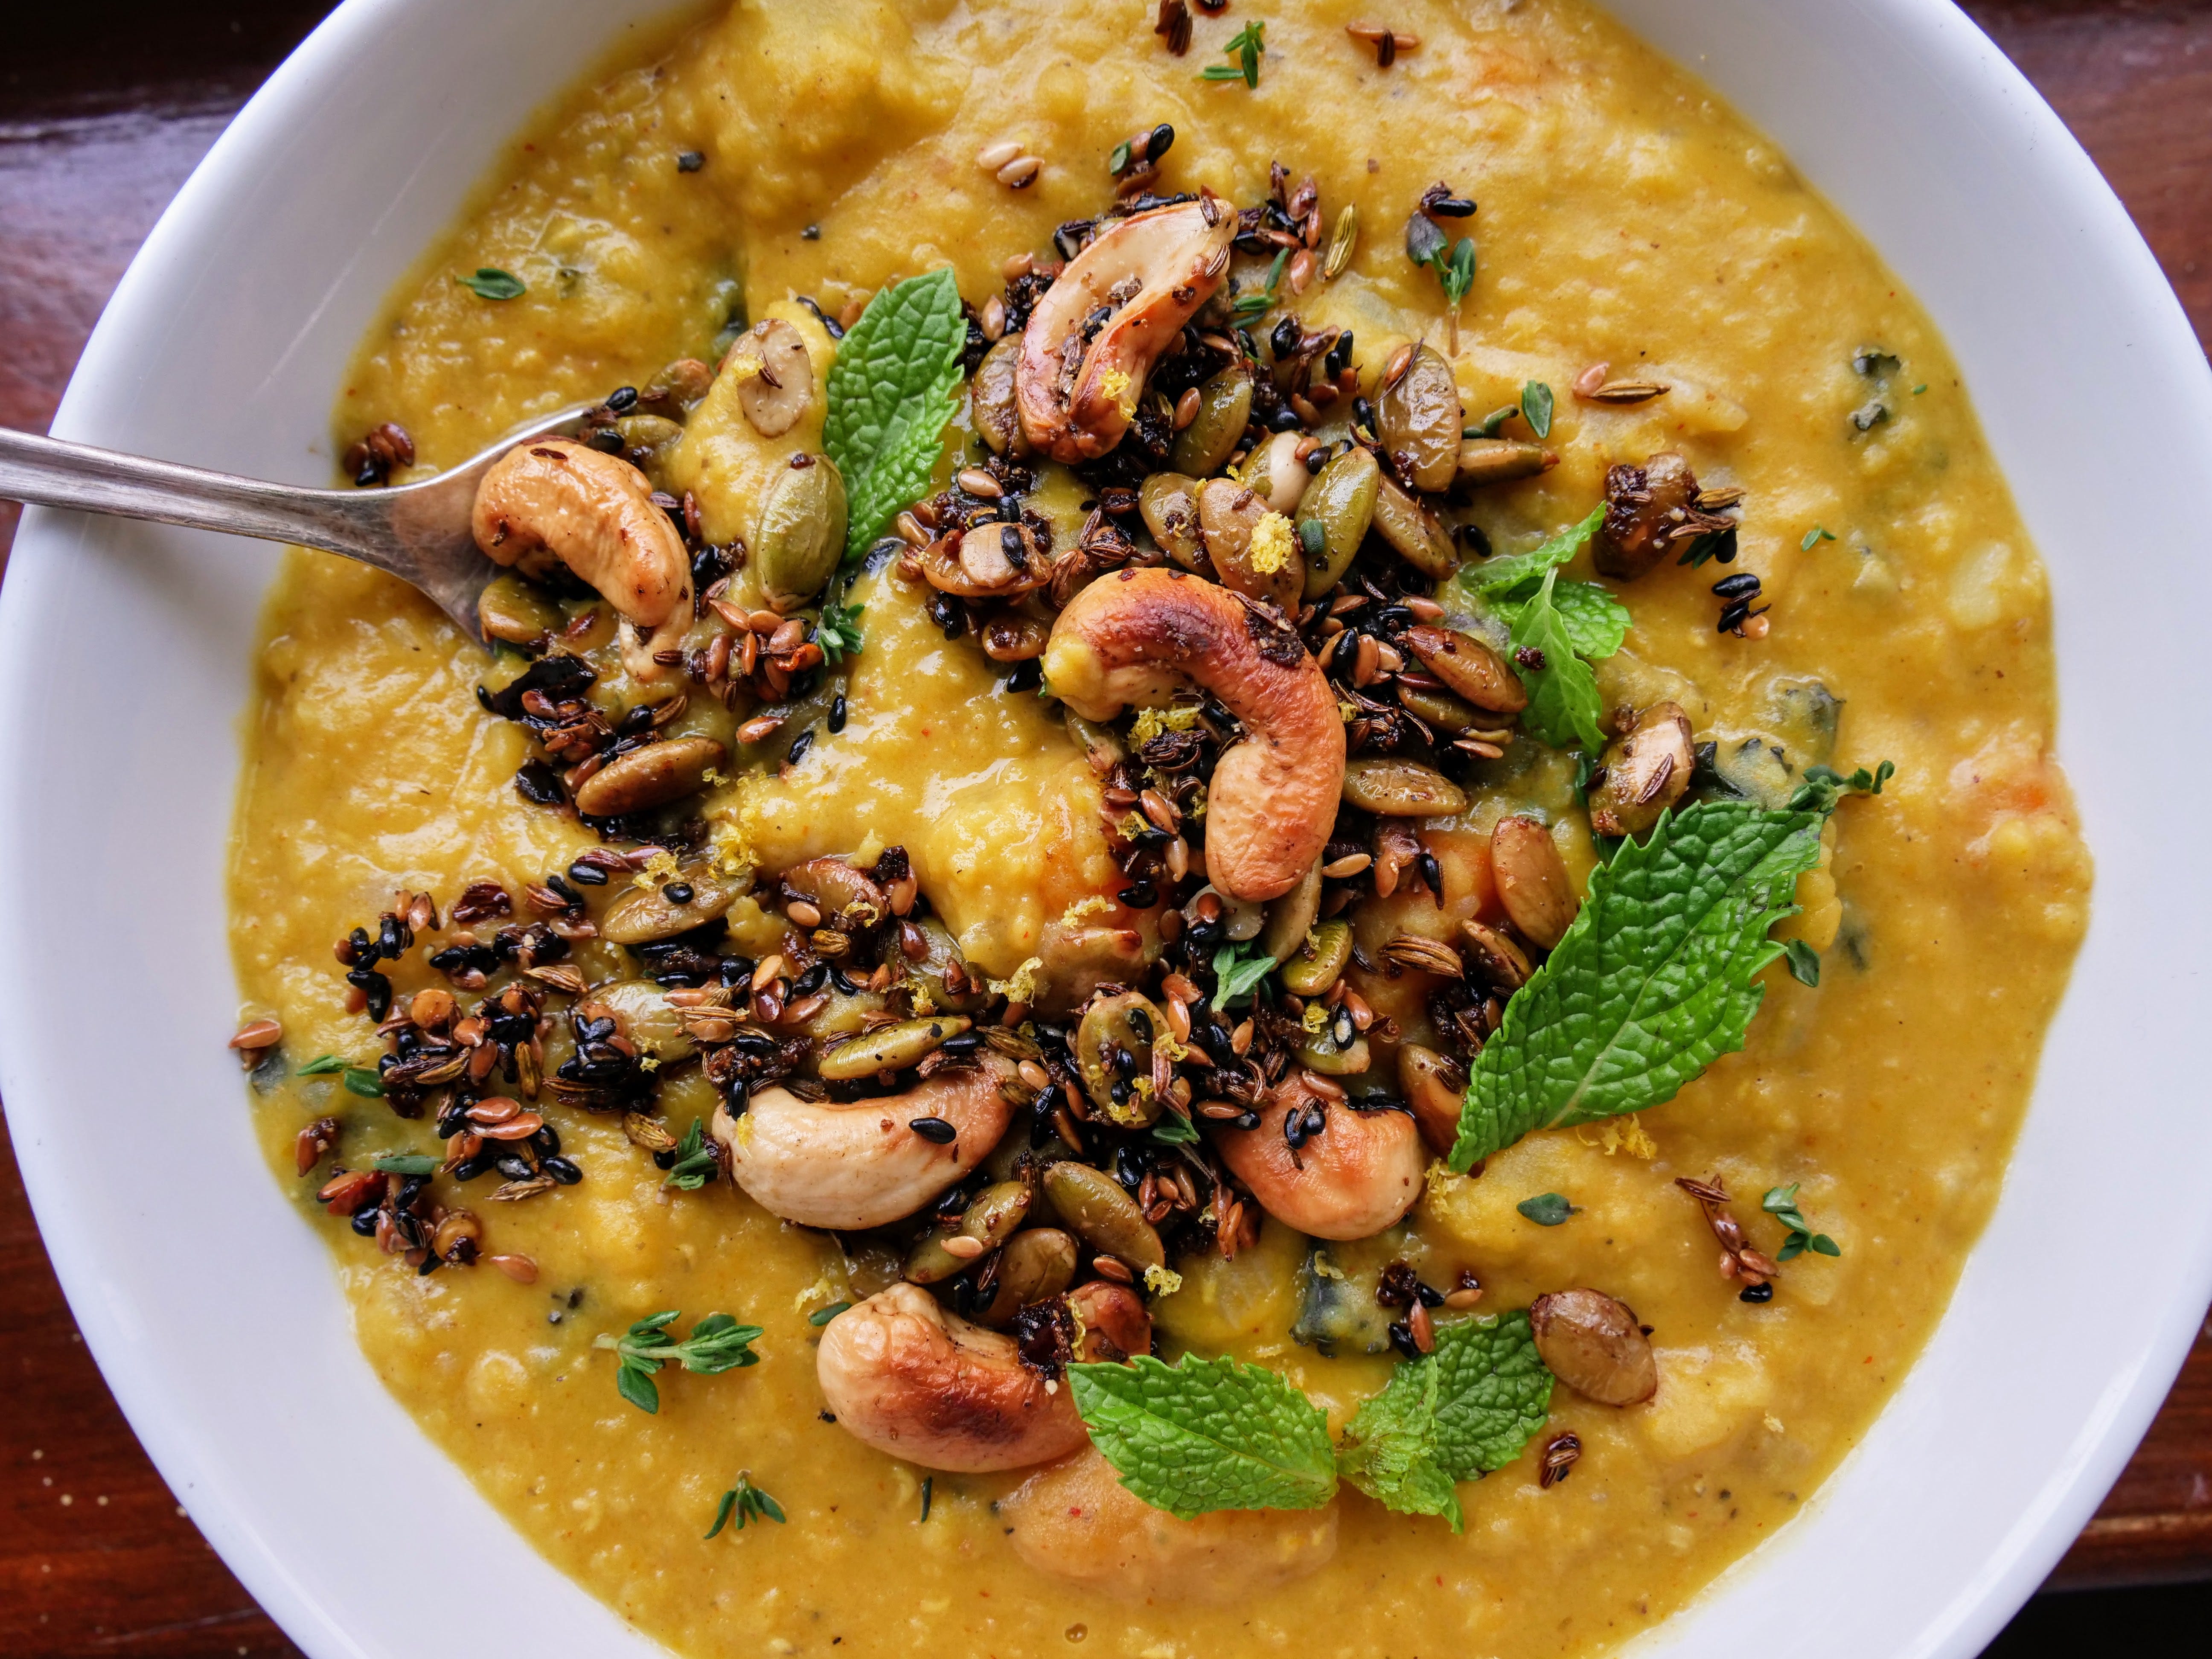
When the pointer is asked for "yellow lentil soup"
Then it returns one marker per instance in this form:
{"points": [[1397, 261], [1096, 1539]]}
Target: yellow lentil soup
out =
{"points": [[919, 829]]}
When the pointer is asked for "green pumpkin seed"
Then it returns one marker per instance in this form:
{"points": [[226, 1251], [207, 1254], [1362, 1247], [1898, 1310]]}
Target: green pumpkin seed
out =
{"points": [[652, 433], [1419, 417], [1224, 409], [1319, 960], [1102, 1215], [1129, 1022], [1037, 1262], [991, 395], [510, 609], [889, 1048], [1442, 710], [802, 531], [1321, 1055], [1417, 534], [1394, 788], [1291, 916], [1169, 503], [990, 1221], [643, 915], [1498, 461], [1228, 516], [641, 1008], [1341, 501], [651, 776]]}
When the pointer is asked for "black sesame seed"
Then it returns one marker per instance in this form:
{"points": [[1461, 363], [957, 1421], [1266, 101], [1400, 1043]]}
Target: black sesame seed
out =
{"points": [[1450, 207], [690, 161], [1756, 1293], [799, 749], [623, 399], [1734, 617], [966, 1043], [587, 875], [1163, 136], [546, 1139], [1401, 1339], [470, 1169], [1339, 356], [811, 234], [1025, 676], [1741, 585], [935, 1130], [677, 892], [811, 980], [837, 713], [1433, 874], [1285, 339], [1140, 895], [563, 1171], [364, 1222], [1284, 419]]}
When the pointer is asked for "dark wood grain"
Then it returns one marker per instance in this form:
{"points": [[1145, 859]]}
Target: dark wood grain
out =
{"points": [[105, 107]]}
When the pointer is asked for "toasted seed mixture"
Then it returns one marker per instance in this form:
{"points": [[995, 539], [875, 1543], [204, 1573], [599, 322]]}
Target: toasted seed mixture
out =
{"points": [[524, 941]]}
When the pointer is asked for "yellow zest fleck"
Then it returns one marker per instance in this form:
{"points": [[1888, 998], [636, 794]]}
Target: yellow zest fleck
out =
{"points": [[1327, 1267], [1440, 1179], [923, 1003], [1196, 808], [1166, 1044], [1347, 713], [711, 776], [1623, 1134], [659, 870], [1134, 825], [1096, 904], [744, 1134], [648, 1062], [1773, 1424], [823, 1292], [1021, 986], [1162, 1281], [1151, 722], [1272, 543], [1113, 383], [1315, 1016]]}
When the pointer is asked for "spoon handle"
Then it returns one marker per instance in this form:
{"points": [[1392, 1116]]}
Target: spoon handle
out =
{"points": [[49, 472]]}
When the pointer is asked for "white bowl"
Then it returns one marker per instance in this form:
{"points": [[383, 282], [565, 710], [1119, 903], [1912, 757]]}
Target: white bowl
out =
{"points": [[124, 665]]}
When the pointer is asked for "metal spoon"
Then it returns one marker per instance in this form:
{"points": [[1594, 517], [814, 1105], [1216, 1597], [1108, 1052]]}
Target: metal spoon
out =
{"points": [[418, 533]]}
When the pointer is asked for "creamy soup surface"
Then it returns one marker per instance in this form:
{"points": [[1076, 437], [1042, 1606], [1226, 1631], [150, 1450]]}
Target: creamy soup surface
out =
{"points": [[729, 163]]}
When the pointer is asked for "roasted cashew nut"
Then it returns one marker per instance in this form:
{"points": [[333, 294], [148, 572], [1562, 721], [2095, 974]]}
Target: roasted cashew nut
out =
{"points": [[1078, 1523], [1152, 270], [1360, 1174], [1127, 637], [921, 1384], [823, 1164], [593, 513]]}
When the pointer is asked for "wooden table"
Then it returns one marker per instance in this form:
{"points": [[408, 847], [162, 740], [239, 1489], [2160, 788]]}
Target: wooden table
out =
{"points": [[105, 107]]}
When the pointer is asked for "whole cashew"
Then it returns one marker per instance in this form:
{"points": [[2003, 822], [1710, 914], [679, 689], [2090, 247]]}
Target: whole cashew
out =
{"points": [[1358, 1176], [1274, 795], [912, 1380], [1076, 400], [823, 1164], [1078, 1523], [593, 512]]}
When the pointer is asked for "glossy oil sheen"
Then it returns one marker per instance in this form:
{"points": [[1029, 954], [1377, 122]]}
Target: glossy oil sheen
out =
{"points": [[1626, 217]]}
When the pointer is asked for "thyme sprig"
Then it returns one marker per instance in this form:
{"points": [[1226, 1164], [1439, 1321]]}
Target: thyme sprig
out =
{"points": [[745, 1502], [717, 1344]]}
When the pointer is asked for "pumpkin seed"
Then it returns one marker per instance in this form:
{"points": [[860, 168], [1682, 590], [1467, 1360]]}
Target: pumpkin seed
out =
{"points": [[848, 898], [1224, 409], [1240, 918], [1228, 515], [643, 1011], [1113, 1025], [889, 1047], [1037, 1262], [1277, 475], [683, 385], [1500, 460], [1469, 667], [1394, 788], [991, 396], [651, 776], [1441, 709], [1342, 500], [1495, 957], [1101, 744], [1318, 960], [510, 609], [1432, 1085], [644, 915], [1098, 1210], [1417, 535], [1533, 883], [990, 1221], [1169, 502], [802, 531], [1595, 1346], [775, 387], [1420, 420], [1646, 772], [1291, 916], [1319, 1053]]}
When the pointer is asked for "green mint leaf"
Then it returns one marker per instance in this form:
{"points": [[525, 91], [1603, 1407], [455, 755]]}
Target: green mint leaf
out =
{"points": [[1207, 1434], [891, 392], [361, 1080], [1237, 975], [1389, 1449], [1564, 705], [822, 1316], [405, 1163], [695, 1164], [1536, 407], [1804, 962], [838, 633], [1594, 619], [1516, 575], [1547, 1209], [490, 282], [1814, 537], [1656, 978], [321, 1065]]}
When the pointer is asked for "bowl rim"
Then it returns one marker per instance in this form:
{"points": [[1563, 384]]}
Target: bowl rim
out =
{"points": [[1939, 40]]}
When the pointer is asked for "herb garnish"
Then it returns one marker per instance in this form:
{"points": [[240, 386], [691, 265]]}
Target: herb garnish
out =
{"points": [[695, 1164], [838, 632], [1490, 423], [1536, 407], [1804, 962], [717, 1344], [1860, 781], [1657, 977], [1246, 306], [1547, 1209], [490, 282], [1781, 1203], [1174, 1130], [928, 1492], [745, 1502], [1235, 974], [822, 1316], [1814, 537], [1245, 47], [1557, 630], [361, 1080], [405, 1163], [1426, 245], [321, 1065], [891, 392]]}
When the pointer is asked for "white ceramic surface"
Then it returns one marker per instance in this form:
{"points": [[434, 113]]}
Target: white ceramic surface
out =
{"points": [[124, 662]]}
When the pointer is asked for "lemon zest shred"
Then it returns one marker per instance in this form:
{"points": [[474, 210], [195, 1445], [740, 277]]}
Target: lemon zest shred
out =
{"points": [[1162, 1281], [1096, 904], [1314, 1017], [1151, 722], [660, 869], [1021, 985], [1272, 543]]}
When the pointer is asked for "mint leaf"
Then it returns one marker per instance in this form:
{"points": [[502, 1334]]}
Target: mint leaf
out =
{"points": [[1466, 1409], [1564, 706], [1204, 1435], [1516, 575], [1595, 620], [1657, 977], [891, 392]]}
